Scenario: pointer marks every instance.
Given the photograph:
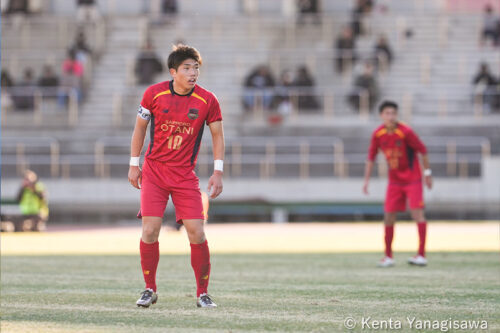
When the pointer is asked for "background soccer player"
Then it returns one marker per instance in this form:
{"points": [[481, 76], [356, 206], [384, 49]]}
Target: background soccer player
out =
{"points": [[178, 110], [400, 146]]}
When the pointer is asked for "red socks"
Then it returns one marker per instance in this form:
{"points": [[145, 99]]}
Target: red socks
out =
{"points": [[422, 232], [389, 234], [200, 261], [150, 255]]}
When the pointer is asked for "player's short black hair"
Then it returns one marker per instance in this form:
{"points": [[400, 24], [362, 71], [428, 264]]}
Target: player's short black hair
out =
{"points": [[387, 104], [180, 53]]}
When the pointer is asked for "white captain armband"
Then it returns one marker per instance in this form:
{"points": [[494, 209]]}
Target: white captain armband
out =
{"points": [[144, 113]]}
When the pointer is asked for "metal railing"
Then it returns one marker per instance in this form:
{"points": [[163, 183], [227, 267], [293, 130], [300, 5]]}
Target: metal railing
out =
{"points": [[39, 102], [22, 149], [267, 153], [257, 157]]}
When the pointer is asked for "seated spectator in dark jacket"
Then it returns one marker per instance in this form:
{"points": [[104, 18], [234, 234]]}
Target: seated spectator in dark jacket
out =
{"points": [[24, 95], [6, 99], [365, 86], [361, 9], [169, 6], [7, 81], [345, 46], [81, 47], [48, 80], [383, 53], [147, 64], [485, 86], [490, 26], [305, 82], [284, 90], [308, 7], [258, 88], [18, 7]]}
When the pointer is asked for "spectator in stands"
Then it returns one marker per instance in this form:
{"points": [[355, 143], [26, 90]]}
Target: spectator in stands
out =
{"points": [[361, 9], [71, 81], [81, 47], [24, 95], [258, 91], [18, 7], [7, 80], [32, 201], [305, 82], [308, 8], [345, 46], [382, 53], [282, 99], [485, 86], [48, 79], [147, 64], [490, 26], [169, 7], [87, 11], [6, 99], [365, 86]]}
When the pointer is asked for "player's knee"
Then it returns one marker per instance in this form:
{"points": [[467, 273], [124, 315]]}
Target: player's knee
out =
{"points": [[150, 233], [196, 236], [389, 219], [418, 215]]}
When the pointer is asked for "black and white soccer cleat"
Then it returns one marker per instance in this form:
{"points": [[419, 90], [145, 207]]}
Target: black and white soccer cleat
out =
{"points": [[204, 301], [147, 298]]}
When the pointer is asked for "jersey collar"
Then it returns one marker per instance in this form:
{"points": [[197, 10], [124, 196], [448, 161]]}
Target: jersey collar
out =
{"points": [[396, 126], [172, 91]]}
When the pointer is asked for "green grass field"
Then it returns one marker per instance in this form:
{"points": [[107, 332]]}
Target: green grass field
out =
{"points": [[307, 277], [312, 292]]}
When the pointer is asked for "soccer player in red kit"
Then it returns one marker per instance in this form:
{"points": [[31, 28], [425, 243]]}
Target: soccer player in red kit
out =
{"points": [[176, 111], [400, 145]]}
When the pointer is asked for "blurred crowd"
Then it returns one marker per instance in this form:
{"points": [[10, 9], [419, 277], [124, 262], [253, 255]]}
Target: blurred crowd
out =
{"points": [[20, 94], [487, 89], [292, 90], [54, 81]]}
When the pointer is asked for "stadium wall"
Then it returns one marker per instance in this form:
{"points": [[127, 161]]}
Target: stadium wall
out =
{"points": [[99, 200]]}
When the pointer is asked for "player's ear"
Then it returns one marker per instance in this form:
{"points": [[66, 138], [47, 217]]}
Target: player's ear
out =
{"points": [[173, 72]]}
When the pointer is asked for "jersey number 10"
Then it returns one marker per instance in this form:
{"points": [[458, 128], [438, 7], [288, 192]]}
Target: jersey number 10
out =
{"points": [[174, 142]]}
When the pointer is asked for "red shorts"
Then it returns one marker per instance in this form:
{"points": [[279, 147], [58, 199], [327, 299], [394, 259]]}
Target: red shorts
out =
{"points": [[160, 181], [399, 194]]}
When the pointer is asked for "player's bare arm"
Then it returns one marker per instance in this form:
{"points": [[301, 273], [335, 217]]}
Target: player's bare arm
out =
{"points": [[368, 172], [427, 174], [215, 181], [134, 172]]}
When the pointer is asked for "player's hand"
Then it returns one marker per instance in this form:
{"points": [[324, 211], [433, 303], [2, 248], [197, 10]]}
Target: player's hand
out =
{"points": [[365, 188], [134, 176], [428, 181], [215, 185]]}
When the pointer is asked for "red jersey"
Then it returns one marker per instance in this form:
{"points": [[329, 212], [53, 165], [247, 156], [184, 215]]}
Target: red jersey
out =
{"points": [[399, 147], [177, 122]]}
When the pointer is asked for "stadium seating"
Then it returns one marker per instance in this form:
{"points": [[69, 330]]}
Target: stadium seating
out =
{"points": [[430, 77]]}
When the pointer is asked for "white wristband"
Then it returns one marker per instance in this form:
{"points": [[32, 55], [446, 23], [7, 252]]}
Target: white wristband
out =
{"points": [[134, 161], [427, 172], [219, 165]]}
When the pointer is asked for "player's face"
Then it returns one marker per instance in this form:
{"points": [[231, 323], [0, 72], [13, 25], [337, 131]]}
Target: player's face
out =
{"points": [[186, 75], [389, 116]]}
